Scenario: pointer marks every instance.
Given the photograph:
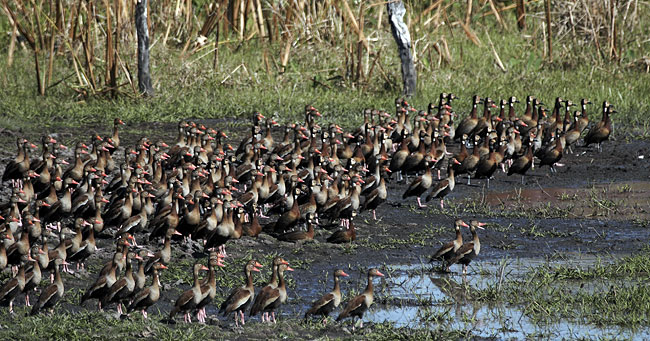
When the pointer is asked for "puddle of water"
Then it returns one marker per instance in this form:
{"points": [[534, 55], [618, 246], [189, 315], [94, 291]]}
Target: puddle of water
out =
{"points": [[620, 200], [427, 299]]}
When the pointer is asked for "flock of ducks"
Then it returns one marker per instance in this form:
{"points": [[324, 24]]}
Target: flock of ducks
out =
{"points": [[201, 191]]}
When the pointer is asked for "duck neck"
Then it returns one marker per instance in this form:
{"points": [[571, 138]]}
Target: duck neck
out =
{"points": [[337, 285]]}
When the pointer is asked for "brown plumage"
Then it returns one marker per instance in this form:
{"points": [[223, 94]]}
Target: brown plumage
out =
{"points": [[189, 299], [240, 298], [343, 236], [149, 295], [444, 187], [209, 286], [522, 164], [448, 250], [329, 301], [468, 251], [272, 299], [122, 288], [359, 304], [12, 288], [294, 236], [419, 185], [601, 131], [52, 293]]}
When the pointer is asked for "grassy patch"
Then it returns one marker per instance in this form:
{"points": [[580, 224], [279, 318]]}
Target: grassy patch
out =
{"points": [[602, 294]]}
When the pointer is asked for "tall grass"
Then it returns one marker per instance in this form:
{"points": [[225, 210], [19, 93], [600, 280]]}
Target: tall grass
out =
{"points": [[489, 56]]}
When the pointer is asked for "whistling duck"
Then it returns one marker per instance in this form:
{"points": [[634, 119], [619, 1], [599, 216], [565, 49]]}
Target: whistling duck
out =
{"points": [[33, 277], [329, 301], [552, 156], [601, 131], [347, 235], [12, 288], [52, 293], [63, 207], [468, 251], [241, 297], [19, 249], [166, 219], [163, 255], [348, 206], [271, 299], [253, 227], [582, 122], [448, 250], [444, 187], [189, 299], [139, 276], [76, 170], [121, 209], [294, 236], [376, 197], [137, 222], [122, 288], [18, 167], [420, 185], [115, 137], [85, 250], [487, 166], [102, 285], [73, 244], [290, 218], [522, 164], [149, 295], [359, 304], [209, 286], [468, 124], [272, 284], [573, 135], [469, 164]]}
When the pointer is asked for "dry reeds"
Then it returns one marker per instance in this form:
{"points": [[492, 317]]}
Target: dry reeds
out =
{"points": [[97, 37]]}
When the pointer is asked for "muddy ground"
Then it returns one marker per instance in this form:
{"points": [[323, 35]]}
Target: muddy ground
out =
{"points": [[597, 205]]}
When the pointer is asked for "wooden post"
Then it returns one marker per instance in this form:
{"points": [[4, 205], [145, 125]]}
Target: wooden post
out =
{"points": [[144, 77], [549, 38], [521, 15], [216, 40], [396, 11]]}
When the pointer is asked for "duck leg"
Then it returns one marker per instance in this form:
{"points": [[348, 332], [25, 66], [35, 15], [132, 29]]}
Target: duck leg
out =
{"points": [[374, 214], [243, 321], [442, 204], [420, 205], [273, 315], [144, 313]]}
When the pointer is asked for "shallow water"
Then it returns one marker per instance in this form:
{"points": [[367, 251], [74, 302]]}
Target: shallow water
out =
{"points": [[428, 299]]}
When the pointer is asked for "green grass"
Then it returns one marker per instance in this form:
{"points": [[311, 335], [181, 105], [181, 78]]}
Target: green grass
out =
{"points": [[189, 88], [603, 294]]}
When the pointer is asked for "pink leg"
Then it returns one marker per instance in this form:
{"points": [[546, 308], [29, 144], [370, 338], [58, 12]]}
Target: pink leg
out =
{"points": [[144, 313], [243, 320], [374, 214], [273, 315], [442, 204], [420, 203], [27, 300]]}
